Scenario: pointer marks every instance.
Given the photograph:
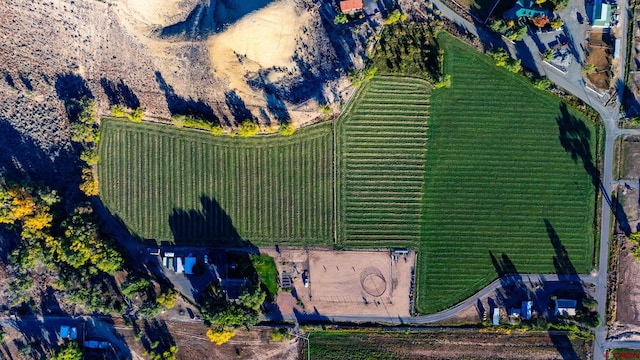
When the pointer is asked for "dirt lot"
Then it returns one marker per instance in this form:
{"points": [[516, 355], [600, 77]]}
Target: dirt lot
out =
{"points": [[346, 282], [632, 97], [631, 158], [627, 319], [600, 48], [446, 345]]}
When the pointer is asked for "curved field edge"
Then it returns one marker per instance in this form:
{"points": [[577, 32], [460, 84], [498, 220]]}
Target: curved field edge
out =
{"points": [[188, 187], [508, 185], [380, 154]]}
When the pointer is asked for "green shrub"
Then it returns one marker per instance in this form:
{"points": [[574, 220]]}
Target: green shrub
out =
{"points": [[280, 335], [90, 156], [340, 19], [118, 111], [133, 286], [394, 17], [287, 129], [136, 115], [177, 121], [542, 84], [216, 130], [248, 128]]}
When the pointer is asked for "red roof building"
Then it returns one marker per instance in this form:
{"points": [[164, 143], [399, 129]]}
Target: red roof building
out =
{"points": [[351, 6]]}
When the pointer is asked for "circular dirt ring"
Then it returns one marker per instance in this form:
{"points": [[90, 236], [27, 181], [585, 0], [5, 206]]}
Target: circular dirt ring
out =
{"points": [[374, 284]]}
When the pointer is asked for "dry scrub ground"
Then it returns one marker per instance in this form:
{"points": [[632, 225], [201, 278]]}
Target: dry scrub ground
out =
{"points": [[270, 61]]}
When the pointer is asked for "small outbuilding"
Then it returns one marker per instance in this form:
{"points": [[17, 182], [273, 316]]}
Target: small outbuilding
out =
{"points": [[565, 307], [68, 332], [189, 263], [601, 14], [496, 316], [179, 267], [526, 309], [351, 6]]}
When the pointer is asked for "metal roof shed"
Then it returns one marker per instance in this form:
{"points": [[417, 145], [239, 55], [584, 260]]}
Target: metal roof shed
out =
{"points": [[189, 263], [179, 267]]}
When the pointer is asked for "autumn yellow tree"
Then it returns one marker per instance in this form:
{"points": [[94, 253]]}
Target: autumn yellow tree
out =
{"points": [[220, 335], [89, 184]]}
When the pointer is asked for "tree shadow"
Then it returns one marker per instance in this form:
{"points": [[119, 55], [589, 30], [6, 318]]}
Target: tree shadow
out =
{"points": [[211, 227], [158, 337], [575, 138], [563, 265], [119, 93], [179, 105], [26, 81], [211, 18], [237, 107], [512, 287]]}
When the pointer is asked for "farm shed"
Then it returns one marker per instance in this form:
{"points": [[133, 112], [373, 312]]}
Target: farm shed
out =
{"points": [[496, 316], [565, 307], [351, 6], [601, 14], [179, 267], [68, 332], [189, 263]]}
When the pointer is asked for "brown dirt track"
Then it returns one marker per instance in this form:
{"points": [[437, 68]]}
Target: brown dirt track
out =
{"points": [[600, 54]]}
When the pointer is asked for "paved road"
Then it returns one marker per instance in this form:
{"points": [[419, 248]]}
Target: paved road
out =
{"points": [[450, 312]]}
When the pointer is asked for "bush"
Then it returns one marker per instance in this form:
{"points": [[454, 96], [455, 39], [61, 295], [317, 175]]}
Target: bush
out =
{"points": [[445, 83], [280, 335], [220, 335], [118, 111], [340, 19], [589, 68], [136, 115], [90, 156], [216, 130], [133, 286], [178, 121], [68, 351], [287, 129], [248, 128], [167, 299], [542, 84], [89, 184], [82, 133], [394, 17]]}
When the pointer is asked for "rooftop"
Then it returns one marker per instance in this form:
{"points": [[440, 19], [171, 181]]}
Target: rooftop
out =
{"points": [[348, 6]]}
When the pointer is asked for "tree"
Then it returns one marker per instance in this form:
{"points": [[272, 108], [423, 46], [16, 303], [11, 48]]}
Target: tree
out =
{"points": [[90, 156], [540, 21], [287, 129], [118, 111], [556, 23], [136, 115], [500, 57], [252, 299], [220, 335], [340, 19], [542, 84], [248, 128], [68, 351], [394, 17], [89, 184], [167, 299], [589, 68], [82, 133]]}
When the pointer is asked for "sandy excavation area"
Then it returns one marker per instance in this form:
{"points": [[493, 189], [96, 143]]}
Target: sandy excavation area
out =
{"points": [[364, 283]]}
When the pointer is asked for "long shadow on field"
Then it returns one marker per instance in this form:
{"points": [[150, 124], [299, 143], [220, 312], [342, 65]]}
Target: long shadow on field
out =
{"points": [[573, 289], [575, 138], [210, 227]]}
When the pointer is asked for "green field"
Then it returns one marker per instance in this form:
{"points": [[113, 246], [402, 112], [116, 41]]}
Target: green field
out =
{"points": [[382, 141], [500, 183], [177, 184], [487, 177]]}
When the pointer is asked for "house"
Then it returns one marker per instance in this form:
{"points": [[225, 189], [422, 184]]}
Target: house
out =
{"points": [[351, 6], [68, 332], [189, 263], [601, 14], [526, 309], [565, 307], [496, 316], [526, 8]]}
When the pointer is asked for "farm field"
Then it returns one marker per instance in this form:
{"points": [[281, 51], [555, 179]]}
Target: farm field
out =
{"points": [[506, 184], [356, 345], [381, 142], [186, 186]]}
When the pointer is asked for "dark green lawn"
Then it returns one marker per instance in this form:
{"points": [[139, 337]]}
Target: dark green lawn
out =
{"points": [[507, 186]]}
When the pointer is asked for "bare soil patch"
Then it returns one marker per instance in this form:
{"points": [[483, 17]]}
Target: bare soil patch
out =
{"points": [[631, 157], [627, 316], [600, 48], [373, 283]]}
